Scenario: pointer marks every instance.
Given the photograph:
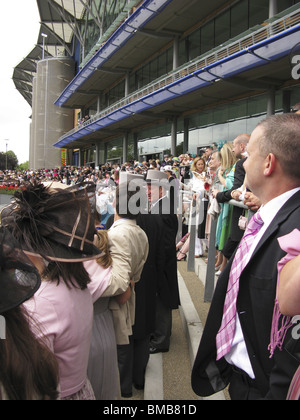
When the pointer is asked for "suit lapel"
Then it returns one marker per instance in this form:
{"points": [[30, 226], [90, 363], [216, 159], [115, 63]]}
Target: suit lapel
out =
{"points": [[291, 205]]}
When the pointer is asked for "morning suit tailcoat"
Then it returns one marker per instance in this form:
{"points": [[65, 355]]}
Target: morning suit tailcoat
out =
{"points": [[255, 305], [146, 288], [168, 284]]}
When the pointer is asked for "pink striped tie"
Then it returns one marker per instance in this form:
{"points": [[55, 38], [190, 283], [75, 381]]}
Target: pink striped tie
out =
{"points": [[226, 333]]}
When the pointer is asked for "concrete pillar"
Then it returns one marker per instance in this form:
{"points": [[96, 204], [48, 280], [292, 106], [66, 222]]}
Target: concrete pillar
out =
{"points": [[127, 84], [99, 103], [135, 146], [105, 152], [271, 101], [33, 125], [97, 154], [186, 135], [273, 8], [102, 154], [49, 121], [80, 158], [174, 136], [176, 53], [286, 101], [125, 148]]}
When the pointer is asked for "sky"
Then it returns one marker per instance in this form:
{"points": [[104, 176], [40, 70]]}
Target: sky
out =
{"points": [[19, 30]]}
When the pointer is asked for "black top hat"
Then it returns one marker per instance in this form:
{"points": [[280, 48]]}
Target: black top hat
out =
{"points": [[19, 279], [56, 224]]}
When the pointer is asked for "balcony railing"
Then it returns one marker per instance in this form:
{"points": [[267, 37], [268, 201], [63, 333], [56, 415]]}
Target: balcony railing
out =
{"points": [[254, 36]]}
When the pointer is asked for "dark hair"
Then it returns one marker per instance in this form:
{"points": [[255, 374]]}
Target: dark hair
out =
{"points": [[28, 369], [72, 274], [282, 138]]}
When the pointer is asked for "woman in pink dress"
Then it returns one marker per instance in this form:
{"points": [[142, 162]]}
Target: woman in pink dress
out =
{"points": [[287, 306], [56, 230]]}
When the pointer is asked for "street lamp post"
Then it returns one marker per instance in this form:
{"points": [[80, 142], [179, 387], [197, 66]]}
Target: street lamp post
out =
{"points": [[6, 140], [44, 40]]}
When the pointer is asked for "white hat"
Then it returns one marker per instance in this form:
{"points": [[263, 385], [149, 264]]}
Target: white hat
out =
{"points": [[168, 168]]}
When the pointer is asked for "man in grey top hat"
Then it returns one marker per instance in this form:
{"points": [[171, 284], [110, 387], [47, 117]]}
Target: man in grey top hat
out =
{"points": [[167, 291]]}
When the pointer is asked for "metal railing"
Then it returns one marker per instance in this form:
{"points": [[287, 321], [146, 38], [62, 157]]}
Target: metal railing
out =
{"points": [[250, 39], [210, 280]]}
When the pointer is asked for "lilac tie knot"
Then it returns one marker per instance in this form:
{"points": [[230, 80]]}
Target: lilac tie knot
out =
{"points": [[255, 223]]}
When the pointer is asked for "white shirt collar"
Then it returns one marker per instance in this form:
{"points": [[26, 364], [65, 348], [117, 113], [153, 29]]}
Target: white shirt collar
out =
{"points": [[270, 210], [154, 204]]}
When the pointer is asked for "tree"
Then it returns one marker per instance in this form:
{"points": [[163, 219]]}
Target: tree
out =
{"points": [[23, 166], [10, 158]]}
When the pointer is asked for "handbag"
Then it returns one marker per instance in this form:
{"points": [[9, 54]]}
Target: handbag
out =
{"points": [[243, 221]]}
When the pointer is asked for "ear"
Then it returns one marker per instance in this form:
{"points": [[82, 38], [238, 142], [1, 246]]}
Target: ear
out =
{"points": [[270, 164]]}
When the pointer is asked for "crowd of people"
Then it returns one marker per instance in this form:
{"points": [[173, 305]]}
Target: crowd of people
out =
{"points": [[78, 243]]}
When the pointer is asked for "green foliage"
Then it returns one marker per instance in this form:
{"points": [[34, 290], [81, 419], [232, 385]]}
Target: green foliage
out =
{"points": [[10, 158], [23, 166]]}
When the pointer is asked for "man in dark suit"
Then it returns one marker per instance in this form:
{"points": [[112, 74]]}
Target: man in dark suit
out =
{"points": [[146, 291], [161, 197], [273, 174], [236, 234], [146, 288]]}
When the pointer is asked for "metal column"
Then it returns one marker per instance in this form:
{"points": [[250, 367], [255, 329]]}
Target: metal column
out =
{"points": [[271, 101], [186, 135], [174, 136], [125, 147], [273, 9], [176, 53]]}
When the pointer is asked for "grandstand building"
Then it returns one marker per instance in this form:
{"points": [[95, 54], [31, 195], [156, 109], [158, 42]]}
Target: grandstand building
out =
{"points": [[117, 80]]}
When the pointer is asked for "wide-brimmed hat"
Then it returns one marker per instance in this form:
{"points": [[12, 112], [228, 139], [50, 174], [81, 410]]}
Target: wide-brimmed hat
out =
{"points": [[168, 168], [19, 279], [57, 224]]}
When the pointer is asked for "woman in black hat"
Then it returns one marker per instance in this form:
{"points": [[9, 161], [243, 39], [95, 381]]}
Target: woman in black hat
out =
{"points": [[28, 370], [56, 230]]}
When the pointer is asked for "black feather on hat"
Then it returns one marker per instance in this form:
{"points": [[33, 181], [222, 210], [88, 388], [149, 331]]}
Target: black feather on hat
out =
{"points": [[55, 223]]}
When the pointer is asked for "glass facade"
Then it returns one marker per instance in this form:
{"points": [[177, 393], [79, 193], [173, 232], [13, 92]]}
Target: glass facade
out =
{"points": [[221, 123], [239, 18], [107, 11]]}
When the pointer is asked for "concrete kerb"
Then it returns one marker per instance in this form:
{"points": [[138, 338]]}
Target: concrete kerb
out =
{"points": [[154, 383], [193, 326]]}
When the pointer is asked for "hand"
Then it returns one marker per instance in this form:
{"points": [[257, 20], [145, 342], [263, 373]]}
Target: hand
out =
{"points": [[221, 173], [252, 202], [215, 192], [236, 195]]}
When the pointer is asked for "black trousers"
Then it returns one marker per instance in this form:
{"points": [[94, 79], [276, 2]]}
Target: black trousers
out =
{"points": [[161, 337], [132, 360]]}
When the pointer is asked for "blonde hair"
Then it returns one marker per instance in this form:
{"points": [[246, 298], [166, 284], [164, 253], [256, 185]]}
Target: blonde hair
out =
{"points": [[194, 164], [227, 157], [101, 242]]}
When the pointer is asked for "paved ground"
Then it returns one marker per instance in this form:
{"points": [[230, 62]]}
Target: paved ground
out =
{"points": [[168, 375]]}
